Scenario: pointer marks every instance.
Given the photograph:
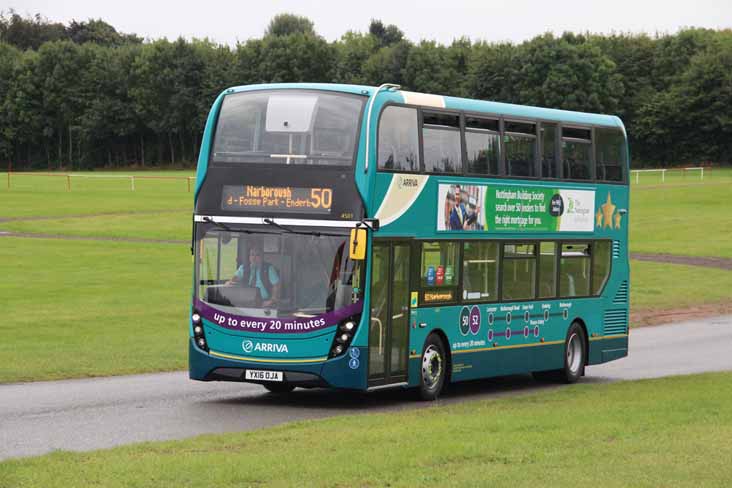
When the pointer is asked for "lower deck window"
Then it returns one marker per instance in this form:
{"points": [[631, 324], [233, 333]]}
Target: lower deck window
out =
{"points": [[439, 271], [600, 265], [547, 270], [519, 271], [480, 271], [574, 270]]}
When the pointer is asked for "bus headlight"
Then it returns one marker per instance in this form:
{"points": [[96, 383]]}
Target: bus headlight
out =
{"points": [[343, 337], [199, 335]]}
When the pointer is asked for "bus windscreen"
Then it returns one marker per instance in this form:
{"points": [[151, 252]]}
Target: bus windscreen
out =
{"points": [[288, 127]]}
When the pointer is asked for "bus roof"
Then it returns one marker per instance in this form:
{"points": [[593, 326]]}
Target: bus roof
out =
{"points": [[455, 103]]}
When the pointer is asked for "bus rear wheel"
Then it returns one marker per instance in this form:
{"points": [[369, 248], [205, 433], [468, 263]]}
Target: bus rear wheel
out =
{"points": [[433, 368], [575, 358], [278, 388]]}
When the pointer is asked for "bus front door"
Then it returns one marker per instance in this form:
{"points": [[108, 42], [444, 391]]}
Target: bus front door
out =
{"points": [[389, 325]]}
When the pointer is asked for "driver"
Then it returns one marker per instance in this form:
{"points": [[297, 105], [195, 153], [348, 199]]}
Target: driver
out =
{"points": [[260, 274]]}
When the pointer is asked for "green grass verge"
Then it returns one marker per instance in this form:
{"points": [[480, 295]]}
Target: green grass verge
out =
{"points": [[166, 225], [674, 286], [667, 432], [684, 217], [76, 308], [47, 196]]}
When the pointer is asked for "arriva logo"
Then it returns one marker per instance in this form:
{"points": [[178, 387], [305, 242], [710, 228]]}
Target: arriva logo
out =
{"points": [[250, 346]]}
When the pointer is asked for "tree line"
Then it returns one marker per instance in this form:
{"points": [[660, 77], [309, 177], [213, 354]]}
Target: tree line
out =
{"points": [[83, 95]]}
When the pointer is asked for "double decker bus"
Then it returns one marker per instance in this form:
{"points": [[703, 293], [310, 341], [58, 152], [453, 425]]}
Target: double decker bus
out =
{"points": [[364, 237]]}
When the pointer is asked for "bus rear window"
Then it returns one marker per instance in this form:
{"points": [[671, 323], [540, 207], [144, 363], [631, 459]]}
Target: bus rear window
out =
{"points": [[610, 155], [288, 127]]}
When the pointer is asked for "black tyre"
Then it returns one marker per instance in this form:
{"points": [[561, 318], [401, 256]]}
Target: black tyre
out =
{"points": [[279, 388], [575, 358], [434, 368]]}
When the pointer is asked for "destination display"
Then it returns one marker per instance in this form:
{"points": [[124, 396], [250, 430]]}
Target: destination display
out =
{"points": [[277, 198], [514, 208]]}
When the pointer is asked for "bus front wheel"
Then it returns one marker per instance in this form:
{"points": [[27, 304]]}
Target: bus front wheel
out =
{"points": [[433, 368], [575, 358]]}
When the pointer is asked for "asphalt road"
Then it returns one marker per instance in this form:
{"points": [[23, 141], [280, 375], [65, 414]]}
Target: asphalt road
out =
{"points": [[79, 415]]}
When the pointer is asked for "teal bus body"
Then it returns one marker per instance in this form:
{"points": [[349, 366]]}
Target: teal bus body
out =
{"points": [[507, 337]]}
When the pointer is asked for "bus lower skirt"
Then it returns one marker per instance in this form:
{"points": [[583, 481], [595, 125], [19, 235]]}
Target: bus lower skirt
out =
{"points": [[296, 378]]}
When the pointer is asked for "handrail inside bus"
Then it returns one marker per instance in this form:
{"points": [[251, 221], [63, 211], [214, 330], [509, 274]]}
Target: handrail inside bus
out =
{"points": [[386, 86]]}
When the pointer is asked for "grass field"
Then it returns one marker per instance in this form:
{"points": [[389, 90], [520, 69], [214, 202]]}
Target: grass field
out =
{"points": [[682, 216], [79, 308], [84, 308], [667, 432]]}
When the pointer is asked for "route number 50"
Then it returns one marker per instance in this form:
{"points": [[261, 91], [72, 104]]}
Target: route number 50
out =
{"points": [[321, 197]]}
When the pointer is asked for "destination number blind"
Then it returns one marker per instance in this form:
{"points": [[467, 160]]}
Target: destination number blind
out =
{"points": [[277, 198]]}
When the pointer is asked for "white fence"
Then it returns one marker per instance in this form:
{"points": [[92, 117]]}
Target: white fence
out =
{"points": [[664, 170], [131, 178]]}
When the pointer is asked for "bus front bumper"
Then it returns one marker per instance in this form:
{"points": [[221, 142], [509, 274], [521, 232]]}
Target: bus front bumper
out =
{"points": [[339, 373]]}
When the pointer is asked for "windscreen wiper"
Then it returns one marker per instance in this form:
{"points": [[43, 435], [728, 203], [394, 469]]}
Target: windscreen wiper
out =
{"points": [[221, 225], [279, 226]]}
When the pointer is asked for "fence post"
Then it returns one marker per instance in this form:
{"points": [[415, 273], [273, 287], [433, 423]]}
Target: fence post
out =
{"points": [[637, 175], [68, 182], [702, 173]]}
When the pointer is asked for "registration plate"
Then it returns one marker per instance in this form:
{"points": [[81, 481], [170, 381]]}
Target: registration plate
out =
{"points": [[259, 375]]}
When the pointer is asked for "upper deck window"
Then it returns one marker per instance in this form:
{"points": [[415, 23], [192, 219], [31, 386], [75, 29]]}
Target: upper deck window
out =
{"points": [[398, 141], [610, 155], [441, 139], [576, 153], [520, 143], [288, 127], [549, 162], [482, 144]]}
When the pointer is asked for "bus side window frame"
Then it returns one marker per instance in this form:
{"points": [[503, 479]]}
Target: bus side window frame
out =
{"points": [[461, 139], [420, 162]]}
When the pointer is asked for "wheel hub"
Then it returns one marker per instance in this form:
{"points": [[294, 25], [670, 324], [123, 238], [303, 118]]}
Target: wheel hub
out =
{"points": [[431, 366], [574, 354]]}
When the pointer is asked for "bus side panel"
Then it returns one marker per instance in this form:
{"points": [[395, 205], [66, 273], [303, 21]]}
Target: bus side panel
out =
{"points": [[607, 349]]}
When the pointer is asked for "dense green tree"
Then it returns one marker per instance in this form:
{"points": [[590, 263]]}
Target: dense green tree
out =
{"points": [[288, 24], [567, 73], [387, 64], [30, 32], [98, 32], [385, 35], [295, 57], [353, 51], [9, 60], [493, 72], [85, 94]]}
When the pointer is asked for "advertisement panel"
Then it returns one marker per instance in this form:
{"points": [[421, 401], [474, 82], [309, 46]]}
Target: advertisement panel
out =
{"points": [[511, 208]]}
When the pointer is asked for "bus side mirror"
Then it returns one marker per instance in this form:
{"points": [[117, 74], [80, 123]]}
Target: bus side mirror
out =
{"points": [[358, 244]]}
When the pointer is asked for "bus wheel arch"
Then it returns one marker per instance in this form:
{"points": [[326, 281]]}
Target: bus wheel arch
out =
{"points": [[583, 326]]}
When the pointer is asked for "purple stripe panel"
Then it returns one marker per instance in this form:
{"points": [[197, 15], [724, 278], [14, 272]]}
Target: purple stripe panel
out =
{"points": [[276, 325]]}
